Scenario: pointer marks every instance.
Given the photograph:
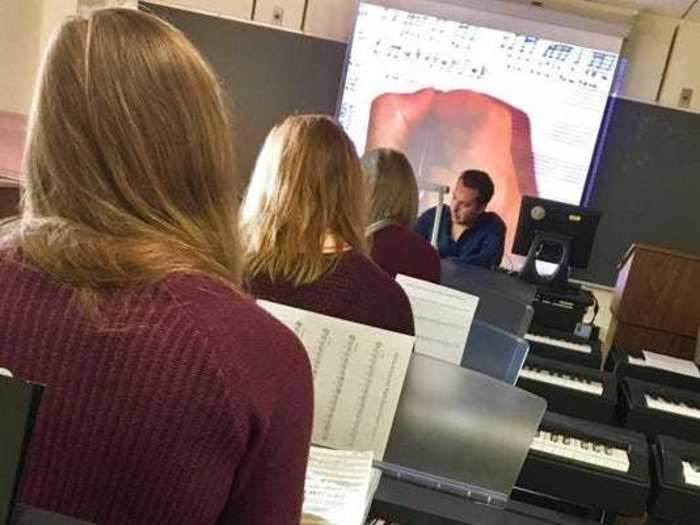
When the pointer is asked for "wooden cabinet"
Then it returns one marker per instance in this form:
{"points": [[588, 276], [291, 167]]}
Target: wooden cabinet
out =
{"points": [[657, 301]]}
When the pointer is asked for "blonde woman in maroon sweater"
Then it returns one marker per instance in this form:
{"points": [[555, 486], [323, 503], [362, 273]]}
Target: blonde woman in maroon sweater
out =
{"points": [[304, 219], [171, 398], [393, 190]]}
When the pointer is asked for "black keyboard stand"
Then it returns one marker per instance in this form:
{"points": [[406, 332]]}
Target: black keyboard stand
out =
{"points": [[561, 308]]}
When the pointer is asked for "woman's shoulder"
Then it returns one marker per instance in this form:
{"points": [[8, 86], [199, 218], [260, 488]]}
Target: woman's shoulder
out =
{"points": [[374, 279], [229, 318]]}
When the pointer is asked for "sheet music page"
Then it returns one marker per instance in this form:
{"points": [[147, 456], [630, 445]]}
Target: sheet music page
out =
{"points": [[671, 364], [358, 375], [375, 478], [337, 486], [442, 318]]}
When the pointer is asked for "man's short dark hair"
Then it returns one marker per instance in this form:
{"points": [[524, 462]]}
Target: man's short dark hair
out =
{"points": [[480, 181]]}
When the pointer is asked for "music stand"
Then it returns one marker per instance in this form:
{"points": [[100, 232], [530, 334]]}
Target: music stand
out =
{"points": [[19, 402]]}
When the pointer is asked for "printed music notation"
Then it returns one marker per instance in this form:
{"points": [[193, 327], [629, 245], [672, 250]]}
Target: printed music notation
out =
{"points": [[429, 44], [442, 317], [358, 375], [463, 54], [338, 487], [430, 59]]}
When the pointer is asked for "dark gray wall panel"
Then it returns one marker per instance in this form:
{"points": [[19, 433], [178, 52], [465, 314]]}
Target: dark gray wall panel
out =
{"points": [[268, 73]]}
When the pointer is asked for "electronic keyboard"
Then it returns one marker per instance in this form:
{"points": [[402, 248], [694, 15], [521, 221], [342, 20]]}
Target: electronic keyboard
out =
{"points": [[637, 366], [553, 344], [571, 390], [676, 492], [660, 410], [589, 464]]}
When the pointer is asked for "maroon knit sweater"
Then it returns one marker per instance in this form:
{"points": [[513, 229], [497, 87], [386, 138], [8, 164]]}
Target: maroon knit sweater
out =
{"points": [[356, 290], [197, 410], [397, 249]]}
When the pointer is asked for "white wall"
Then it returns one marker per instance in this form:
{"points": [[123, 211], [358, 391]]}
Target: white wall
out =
{"points": [[646, 51], [235, 8], [20, 26], [684, 68], [285, 13], [330, 18]]}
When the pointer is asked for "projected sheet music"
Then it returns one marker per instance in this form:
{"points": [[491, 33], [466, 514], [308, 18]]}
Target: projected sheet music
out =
{"points": [[562, 88], [358, 374]]}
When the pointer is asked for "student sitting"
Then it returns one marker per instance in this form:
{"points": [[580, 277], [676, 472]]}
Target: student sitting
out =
{"points": [[304, 222], [170, 396], [393, 209]]}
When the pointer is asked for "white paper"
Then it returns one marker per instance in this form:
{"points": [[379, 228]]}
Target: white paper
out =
{"points": [[691, 474], [358, 373], [671, 364], [375, 478], [636, 361], [337, 486], [442, 318]]}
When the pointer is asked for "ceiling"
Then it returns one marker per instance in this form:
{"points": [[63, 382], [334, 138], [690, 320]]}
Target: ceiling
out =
{"points": [[674, 8]]}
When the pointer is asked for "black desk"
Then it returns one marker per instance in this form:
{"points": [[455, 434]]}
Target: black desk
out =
{"points": [[561, 309], [493, 280], [406, 503], [504, 301]]}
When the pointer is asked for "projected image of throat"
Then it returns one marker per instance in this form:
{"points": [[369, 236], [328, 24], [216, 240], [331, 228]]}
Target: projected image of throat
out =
{"points": [[454, 96]]}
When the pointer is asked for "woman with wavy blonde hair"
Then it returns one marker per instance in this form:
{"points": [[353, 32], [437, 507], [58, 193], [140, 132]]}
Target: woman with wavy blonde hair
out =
{"points": [[393, 208], [171, 397], [303, 219]]}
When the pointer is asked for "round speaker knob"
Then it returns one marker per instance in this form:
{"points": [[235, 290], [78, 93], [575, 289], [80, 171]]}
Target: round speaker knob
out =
{"points": [[538, 213]]}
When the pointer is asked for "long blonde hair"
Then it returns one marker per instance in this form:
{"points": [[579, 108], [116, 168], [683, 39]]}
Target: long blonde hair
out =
{"points": [[129, 164], [392, 186], [307, 187]]}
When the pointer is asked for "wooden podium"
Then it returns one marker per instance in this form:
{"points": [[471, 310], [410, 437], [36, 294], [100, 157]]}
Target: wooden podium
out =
{"points": [[656, 305]]}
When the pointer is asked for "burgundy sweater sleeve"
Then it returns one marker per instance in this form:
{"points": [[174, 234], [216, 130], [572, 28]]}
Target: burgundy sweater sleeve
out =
{"points": [[269, 480], [271, 486]]}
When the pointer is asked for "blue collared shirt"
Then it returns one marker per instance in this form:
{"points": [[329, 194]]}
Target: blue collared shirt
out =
{"points": [[481, 245]]}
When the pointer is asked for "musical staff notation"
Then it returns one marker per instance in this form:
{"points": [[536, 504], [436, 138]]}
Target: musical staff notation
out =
{"points": [[396, 51]]}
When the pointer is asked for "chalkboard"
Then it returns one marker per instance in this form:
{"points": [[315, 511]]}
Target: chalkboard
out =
{"points": [[647, 184], [648, 180], [268, 73]]}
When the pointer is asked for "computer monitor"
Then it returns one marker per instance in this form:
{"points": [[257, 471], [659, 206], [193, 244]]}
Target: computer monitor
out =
{"points": [[554, 232]]}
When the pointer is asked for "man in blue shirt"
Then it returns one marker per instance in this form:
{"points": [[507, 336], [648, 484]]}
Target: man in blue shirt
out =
{"points": [[468, 233]]}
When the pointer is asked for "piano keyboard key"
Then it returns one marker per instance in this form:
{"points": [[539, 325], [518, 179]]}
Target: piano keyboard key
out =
{"points": [[680, 409], [588, 452], [562, 380], [560, 343], [636, 361], [691, 473]]}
